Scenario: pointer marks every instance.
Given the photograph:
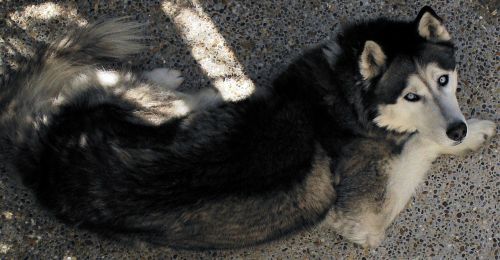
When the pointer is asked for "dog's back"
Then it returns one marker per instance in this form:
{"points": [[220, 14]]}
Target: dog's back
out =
{"points": [[210, 178]]}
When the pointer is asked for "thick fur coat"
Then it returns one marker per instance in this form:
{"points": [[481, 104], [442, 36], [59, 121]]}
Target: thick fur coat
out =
{"points": [[128, 156]]}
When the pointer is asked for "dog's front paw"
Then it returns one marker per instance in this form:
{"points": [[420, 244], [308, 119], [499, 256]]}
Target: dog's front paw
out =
{"points": [[171, 79], [366, 237], [479, 131], [368, 234], [373, 240]]}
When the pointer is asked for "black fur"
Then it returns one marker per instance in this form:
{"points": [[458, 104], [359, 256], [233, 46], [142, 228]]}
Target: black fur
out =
{"points": [[234, 174]]}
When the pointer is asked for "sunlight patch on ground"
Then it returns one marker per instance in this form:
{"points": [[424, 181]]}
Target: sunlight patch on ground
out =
{"points": [[4, 248], [15, 45], [43, 22], [44, 12], [210, 50]]}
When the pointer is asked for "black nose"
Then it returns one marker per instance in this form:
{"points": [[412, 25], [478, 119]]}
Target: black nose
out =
{"points": [[457, 131]]}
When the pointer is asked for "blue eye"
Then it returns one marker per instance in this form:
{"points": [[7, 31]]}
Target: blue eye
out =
{"points": [[443, 80], [412, 97]]}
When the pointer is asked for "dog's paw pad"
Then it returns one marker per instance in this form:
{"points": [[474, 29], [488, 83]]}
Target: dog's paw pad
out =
{"points": [[165, 77]]}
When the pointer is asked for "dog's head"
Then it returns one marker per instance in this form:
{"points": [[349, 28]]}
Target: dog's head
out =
{"points": [[415, 87]]}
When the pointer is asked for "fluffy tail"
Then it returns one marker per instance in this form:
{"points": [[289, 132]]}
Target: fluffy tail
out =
{"points": [[27, 101]]}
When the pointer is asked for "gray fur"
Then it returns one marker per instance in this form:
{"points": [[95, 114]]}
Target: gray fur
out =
{"points": [[132, 158], [31, 104]]}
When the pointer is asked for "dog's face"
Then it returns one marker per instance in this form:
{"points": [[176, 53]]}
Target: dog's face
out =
{"points": [[420, 88]]}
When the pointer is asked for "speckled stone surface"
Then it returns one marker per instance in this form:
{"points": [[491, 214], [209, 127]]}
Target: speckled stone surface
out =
{"points": [[455, 214]]}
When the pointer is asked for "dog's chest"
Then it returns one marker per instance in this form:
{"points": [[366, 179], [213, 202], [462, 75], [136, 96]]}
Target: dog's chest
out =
{"points": [[405, 171], [379, 175]]}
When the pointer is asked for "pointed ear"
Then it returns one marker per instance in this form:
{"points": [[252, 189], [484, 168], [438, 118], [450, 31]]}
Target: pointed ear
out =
{"points": [[430, 26], [372, 60]]}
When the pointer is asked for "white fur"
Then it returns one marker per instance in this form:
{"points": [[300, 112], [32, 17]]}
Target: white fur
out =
{"points": [[432, 114], [405, 172], [202, 99], [428, 118], [171, 79], [409, 169], [107, 78], [180, 108], [160, 89]]}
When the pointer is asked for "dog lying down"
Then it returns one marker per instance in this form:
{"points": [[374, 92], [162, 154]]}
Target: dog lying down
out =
{"points": [[343, 137]]}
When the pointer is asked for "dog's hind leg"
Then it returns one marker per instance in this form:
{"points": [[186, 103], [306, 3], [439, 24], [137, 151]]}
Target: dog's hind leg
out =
{"points": [[202, 99], [168, 78]]}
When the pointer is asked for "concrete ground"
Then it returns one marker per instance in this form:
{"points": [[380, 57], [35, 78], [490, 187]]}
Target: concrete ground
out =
{"points": [[237, 45]]}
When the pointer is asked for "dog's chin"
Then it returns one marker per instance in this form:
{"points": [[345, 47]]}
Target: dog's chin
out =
{"points": [[455, 143], [450, 142], [445, 141]]}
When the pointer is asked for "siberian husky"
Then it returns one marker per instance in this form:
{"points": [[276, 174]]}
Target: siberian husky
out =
{"points": [[342, 137]]}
